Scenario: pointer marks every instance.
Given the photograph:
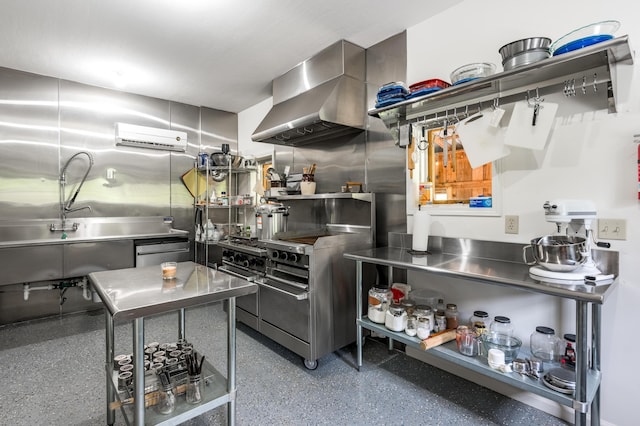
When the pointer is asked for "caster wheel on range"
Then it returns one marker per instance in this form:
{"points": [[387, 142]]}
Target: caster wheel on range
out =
{"points": [[311, 365]]}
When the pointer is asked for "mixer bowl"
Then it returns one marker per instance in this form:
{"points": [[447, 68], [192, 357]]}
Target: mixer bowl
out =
{"points": [[558, 253]]}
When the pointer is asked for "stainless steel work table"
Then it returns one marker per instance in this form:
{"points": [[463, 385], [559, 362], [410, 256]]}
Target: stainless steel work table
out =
{"points": [[135, 293], [480, 263]]}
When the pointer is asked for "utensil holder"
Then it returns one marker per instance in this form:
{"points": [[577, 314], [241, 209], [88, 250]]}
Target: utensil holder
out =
{"points": [[194, 389]]}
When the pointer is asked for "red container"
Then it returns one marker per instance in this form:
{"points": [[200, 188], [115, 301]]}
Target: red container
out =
{"points": [[429, 84]]}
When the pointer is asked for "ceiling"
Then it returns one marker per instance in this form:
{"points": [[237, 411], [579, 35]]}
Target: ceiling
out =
{"points": [[221, 54]]}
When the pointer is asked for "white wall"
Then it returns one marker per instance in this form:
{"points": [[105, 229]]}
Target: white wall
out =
{"points": [[590, 156], [248, 121]]}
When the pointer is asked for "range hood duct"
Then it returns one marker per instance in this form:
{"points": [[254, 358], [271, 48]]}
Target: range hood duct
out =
{"points": [[322, 98]]}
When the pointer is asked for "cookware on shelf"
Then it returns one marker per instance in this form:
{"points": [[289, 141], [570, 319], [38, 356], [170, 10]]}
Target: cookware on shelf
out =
{"points": [[425, 87], [585, 36], [524, 52], [471, 72]]}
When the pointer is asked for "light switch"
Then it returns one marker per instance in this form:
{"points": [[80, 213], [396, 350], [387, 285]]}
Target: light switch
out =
{"points": [[612, 229]]}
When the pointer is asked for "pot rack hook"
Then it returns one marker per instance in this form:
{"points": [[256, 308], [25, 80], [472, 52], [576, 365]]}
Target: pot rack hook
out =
{"points": [[496, 103], [584, 84], [595, 81]]}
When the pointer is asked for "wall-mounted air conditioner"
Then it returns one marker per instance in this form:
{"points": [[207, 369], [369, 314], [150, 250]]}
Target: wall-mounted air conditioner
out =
{"points": [[150, 137]]}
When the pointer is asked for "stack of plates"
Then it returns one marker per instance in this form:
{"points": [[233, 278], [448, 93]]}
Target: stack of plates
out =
{"points": [[560, 380]]}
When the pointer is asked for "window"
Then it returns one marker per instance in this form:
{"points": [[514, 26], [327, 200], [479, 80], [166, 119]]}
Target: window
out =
{"points": [[442, 179]]}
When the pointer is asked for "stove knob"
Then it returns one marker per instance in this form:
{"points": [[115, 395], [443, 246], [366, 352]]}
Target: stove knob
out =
{"points": [[275, 254], [245, 263], [232, 258], [293, 257], [225, 253], [251, 262], [284, 255]]}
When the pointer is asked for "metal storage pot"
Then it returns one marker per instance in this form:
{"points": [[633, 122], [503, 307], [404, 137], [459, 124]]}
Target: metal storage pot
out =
{"points": [[557, 253], [271, 219], [524, 52]]}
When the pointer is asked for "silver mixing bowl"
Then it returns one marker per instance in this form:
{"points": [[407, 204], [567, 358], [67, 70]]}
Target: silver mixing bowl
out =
{"points": [[558, 253]]}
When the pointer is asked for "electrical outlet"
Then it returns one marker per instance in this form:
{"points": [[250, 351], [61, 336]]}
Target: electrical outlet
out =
{"points": [[511, 224], [612, 229]]}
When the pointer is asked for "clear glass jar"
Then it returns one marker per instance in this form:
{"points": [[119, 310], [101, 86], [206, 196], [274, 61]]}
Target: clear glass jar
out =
{"points": [[451, 313], [441, 322], [412, 325], [409, 305], [426, 311], [440, 307], [424, 328], [194, 389], [569, 358], [379, 299], [166, 398], [479, 318], [396, 317], [467, 341], [502, 325], [545, 344]]}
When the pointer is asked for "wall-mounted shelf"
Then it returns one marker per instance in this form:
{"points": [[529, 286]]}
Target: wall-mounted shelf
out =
{"points": [[589, 66]]}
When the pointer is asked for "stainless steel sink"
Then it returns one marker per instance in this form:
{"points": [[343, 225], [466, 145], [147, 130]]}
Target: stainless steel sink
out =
{"points": [[37, 232]]}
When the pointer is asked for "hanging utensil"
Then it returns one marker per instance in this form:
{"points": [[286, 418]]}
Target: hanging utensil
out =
{"points": [[445, 147], [410, 150]]}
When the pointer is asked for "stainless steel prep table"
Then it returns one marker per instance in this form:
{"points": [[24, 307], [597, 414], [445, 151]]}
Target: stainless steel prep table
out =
{"points": [[134, 293], [462, 262]]}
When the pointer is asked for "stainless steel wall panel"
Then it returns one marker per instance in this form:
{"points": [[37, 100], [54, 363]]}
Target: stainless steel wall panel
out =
{"points": [[218, 127], [185, 118], [87, 122], [28, 145]]}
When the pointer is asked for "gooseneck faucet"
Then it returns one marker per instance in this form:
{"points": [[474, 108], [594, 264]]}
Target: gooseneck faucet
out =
{"points": [[66, 206]]}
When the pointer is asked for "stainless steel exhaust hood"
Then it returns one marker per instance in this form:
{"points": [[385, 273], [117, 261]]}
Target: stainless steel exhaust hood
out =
{"points": [[320, 99]]}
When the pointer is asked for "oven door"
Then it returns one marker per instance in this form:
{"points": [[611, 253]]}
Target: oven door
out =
{"points": [[249, 302], [285, 305]]}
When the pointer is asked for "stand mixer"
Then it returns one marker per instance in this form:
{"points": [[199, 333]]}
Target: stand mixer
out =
{"points": [[572, 217]]}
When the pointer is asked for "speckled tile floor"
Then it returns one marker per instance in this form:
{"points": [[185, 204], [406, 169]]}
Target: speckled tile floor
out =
{"points": [[53, 375]]}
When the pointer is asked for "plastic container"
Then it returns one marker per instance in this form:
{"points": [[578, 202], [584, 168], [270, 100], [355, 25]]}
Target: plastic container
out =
{"points": [[425, 296], [510, 345], [545, 345]]}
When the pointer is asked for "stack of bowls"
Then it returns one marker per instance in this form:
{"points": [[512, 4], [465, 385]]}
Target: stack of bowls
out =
{"points": [[524, 52]]}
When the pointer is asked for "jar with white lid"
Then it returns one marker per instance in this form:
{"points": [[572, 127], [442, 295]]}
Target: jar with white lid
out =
{"points": [[396, 318], [545, 345], [501, 324], [379, 299]]}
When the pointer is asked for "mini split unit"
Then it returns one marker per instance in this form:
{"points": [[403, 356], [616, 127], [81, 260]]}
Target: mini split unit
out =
{"points": [[150, 138]]}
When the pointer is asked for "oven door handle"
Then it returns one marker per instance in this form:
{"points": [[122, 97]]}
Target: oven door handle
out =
{"points": [[235, 274], [300, 296], [287, 282]]}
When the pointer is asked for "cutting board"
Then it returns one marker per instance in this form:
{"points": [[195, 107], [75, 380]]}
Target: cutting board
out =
{"points": [[521, 133], [482, 142], [195, 182]]}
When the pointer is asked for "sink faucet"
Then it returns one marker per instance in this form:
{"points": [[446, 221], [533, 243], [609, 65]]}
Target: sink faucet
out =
{"points": [[66, 206]]}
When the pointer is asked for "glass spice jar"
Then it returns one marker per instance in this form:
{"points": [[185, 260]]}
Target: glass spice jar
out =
{"points": [[424, 328], [441, 322], [451, 313], [379, 299], [408, 305], [412, 325], [426, 311], [396, 317]]}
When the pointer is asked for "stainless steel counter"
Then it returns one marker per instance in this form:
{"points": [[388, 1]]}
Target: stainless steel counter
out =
{"points": [[495, 263], [141, 292], [134, 293], [481, 269]]}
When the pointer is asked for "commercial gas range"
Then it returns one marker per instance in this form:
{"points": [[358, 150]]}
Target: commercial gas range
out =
{"points": [[306, 296]]}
